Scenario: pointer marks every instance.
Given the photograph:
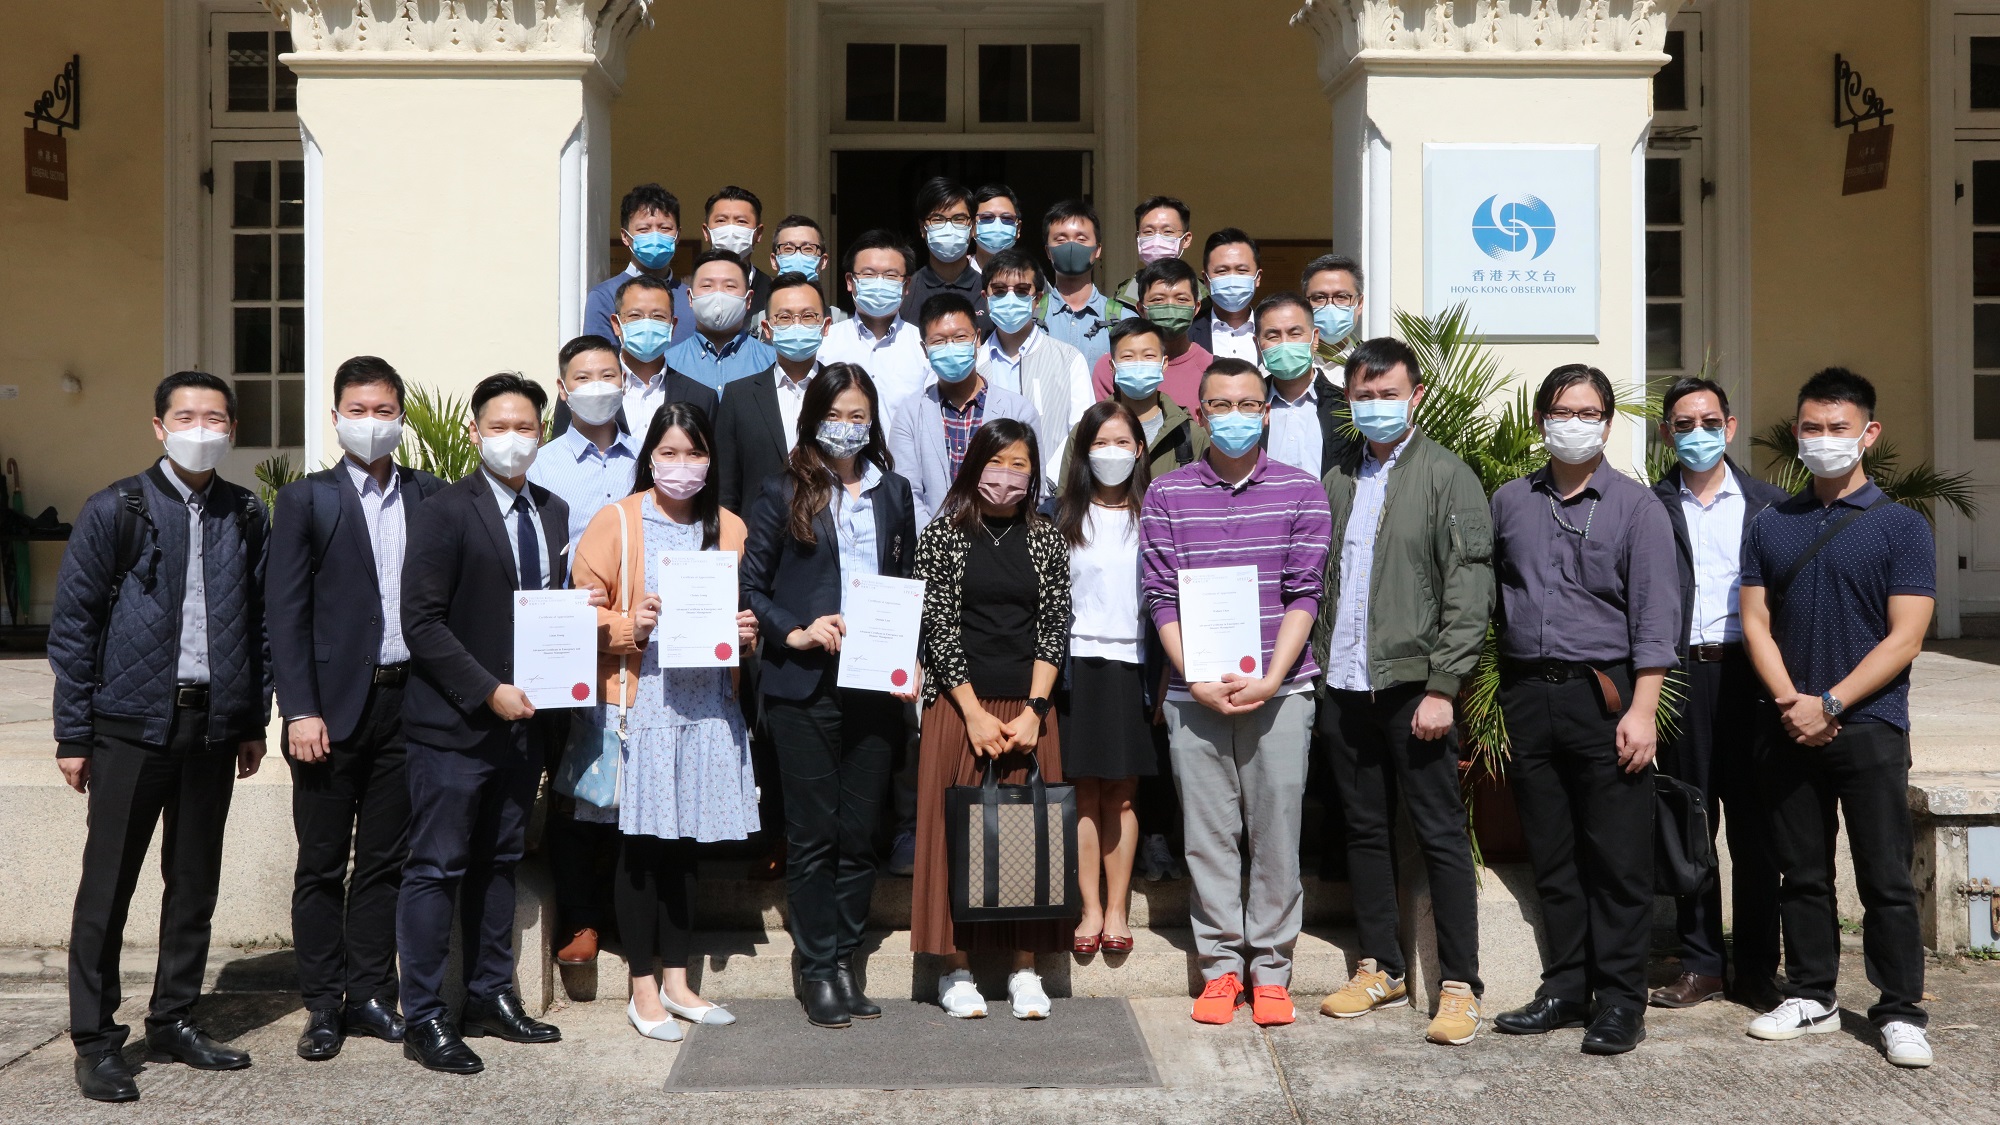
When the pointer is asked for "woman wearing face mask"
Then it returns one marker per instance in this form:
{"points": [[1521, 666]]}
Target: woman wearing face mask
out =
{"points": [[835, 513], [1110, 739], [995, 627], [685, 776]]}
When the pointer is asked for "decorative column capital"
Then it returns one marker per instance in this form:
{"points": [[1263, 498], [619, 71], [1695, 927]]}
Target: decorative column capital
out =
{"points": [[462, 35], [1485, 36]]}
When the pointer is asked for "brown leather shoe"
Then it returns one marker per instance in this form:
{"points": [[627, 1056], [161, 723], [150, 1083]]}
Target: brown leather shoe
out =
{"points": [[1689, 990], [581, 949]]}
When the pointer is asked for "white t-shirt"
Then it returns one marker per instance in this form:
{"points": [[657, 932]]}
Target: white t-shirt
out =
{"points": [[1104, 584]]}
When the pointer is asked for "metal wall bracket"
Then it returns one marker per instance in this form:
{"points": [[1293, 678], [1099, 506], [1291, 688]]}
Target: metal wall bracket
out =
{"points": [[1846, 87], [65, 95]]}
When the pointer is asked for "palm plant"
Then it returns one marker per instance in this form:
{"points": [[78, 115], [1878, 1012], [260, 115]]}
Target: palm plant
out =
{"points": [[274, 473], [434, 434]]}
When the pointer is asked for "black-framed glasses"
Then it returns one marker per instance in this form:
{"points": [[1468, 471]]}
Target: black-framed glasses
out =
{"points": [[1337, 300], [962, 222], [1689, 425], [1565, 414], [787, 319], [811, 249], [1217, 407]]}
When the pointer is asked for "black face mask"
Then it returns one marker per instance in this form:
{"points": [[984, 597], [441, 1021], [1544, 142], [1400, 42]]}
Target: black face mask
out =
{"points": [[1071, 258]]}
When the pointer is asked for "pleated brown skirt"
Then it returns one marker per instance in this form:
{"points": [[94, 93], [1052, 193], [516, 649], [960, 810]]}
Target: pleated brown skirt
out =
{"points": [[945, 759]]}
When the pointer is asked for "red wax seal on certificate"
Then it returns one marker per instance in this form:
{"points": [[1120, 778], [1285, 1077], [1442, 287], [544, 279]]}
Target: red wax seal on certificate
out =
{"points": [[580, 691], [899, 677], [722, 651], [1248, 664]]}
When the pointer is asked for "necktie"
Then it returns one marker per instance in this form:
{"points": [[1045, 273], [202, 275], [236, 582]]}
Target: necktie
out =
{"points": [[525, 544]]}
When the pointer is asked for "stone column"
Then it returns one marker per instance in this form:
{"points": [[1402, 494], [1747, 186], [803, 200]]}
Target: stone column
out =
{"points": [[457, 191], [1405, 74]]}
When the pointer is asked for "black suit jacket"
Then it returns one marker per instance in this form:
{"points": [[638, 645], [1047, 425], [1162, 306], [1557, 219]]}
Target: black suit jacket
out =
{"points": [[1757, 496], [749, 438], [458, 610], [679, 388], [789, 585], [1335, 440], [323, 597]]}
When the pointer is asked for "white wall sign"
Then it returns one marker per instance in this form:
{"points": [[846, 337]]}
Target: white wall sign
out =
{"points": [[1511, 231]]}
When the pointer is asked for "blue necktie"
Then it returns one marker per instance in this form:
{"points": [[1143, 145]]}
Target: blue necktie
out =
{"points": [[530, 551]]}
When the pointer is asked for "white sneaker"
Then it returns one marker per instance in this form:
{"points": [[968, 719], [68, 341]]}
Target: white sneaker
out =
{"points": [[1024, 988], [1794, 1018], [959, 996], [1906, 1043]]}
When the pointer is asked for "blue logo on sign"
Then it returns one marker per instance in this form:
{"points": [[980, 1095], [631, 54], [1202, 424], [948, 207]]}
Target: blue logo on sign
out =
{"points": [[1514, 229]]}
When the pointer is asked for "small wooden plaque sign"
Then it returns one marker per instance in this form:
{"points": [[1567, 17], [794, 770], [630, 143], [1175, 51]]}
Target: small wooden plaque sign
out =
{"points": [[47, 163], [1867, 160]]}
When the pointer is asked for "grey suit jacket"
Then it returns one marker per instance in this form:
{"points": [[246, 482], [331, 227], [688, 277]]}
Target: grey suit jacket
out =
{"points": [[916, 443]]}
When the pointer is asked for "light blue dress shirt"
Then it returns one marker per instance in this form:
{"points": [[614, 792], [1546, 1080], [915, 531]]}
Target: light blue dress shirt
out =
{"points": [[1715, 540], [586, 477], [1347, 654], [854, 524], [1084, 329], [740, 356]]}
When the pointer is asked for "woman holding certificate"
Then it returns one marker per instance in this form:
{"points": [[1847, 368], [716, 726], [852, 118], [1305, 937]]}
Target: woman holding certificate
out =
{"points": [[996, 627], [835, 517], [684, 774]]}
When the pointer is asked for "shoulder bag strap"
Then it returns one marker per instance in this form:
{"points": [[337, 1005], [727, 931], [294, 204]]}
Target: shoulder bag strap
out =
{"points": [[625, 607], [1783, 583]]}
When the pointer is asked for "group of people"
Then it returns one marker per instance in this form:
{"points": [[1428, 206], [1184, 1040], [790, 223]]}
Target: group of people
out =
{"points": [[1060, 466]]}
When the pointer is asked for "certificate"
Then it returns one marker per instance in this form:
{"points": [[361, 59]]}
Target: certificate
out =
{"points": [[1222, 628], [698, 599], [882, 615], [555, 647]]}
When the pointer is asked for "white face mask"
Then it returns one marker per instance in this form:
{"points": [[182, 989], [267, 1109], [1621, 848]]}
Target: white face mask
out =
{"points": [[197, 450], [733, 238], [1830, 456], [1574, 441], [1112, 465], [369, 439], [596, 403], [720, 312], [507, 455]]}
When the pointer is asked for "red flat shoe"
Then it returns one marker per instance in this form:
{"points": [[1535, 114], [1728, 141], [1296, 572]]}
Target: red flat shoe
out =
{"points": [[1113, 944], [1085, 945]]}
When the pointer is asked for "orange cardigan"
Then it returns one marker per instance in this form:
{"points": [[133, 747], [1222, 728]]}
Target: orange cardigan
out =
{"points": [[596, 563]]}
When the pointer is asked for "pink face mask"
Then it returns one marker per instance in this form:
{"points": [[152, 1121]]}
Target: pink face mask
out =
{"points": [[680, 480], [1002, 486]]}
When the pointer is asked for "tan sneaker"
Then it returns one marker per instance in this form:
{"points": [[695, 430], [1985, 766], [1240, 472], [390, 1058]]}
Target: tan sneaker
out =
{"points": [[1458, 1016], [1370, 990]]}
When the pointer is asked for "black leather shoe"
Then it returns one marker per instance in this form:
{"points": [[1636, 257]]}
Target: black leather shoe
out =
{"points": [[503, 1016], [321, 1039], [823, 1006], [106, 1078], [849, 991], [374, 1019], [1615, 1031], [183, 1042], [434, 1044], [1541, 1015]]}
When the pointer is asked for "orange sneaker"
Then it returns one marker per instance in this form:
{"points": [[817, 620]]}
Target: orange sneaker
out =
{"points": [[1219, 1000], [1271, 1005]]}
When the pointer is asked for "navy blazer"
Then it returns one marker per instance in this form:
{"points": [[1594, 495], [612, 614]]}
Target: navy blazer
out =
{"points": [[323, 572], [750, 445], [789, 585], [1757, 496]]}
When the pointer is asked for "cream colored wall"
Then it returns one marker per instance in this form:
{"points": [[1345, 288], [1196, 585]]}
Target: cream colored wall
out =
{"points": [[80, 280], [1838, 280]]}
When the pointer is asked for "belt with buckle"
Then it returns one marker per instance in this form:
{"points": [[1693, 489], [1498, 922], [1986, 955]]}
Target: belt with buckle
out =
{"points": [[1714, 654], [1553, 671], [191, 697], [392, 675]]}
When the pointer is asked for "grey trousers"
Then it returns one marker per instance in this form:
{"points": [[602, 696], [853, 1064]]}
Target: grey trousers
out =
{"points": [[1242, 779]]}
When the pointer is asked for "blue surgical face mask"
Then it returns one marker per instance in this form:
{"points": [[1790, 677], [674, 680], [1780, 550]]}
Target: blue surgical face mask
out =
{"points": [[1232, 291], [948, 243], [799, 263], [797, 341], [1700, 449], [996, 236], [952, 362], [1138, 378], [1382, 419], [646, 339], [1010, 313], [653, 249], [1334, 323], [1236, 433], [877, 296]]}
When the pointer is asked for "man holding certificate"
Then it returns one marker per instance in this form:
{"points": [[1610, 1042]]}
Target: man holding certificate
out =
{"points": [[1231, 552]]}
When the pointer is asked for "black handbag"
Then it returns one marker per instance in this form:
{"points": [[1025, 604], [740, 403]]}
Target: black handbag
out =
{"points": [[1683, 853], [1012, 849]]}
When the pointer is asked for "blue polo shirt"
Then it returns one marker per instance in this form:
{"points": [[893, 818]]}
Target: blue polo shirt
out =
{"points": [[1837, 609], [741, 355]]}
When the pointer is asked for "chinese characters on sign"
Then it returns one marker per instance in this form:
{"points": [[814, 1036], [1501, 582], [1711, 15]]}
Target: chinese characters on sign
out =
{"points": [[1867, 160], [47, 162], [1511, 232]]}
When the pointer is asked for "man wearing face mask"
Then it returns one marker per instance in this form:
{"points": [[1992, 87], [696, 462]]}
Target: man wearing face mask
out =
{"points": [[1233, 269], [643, 330], [1076, 313], [162, 693], [337, 651], [930, 433], [649, 223], [1020, 357], [1308, 423], [798, 245], [1332, 285], [733, 220], [1171, 296], [758, 421], [723, 348], [1838, 587], [944, 216], [1711, 503], [1165, 231], [996, 223], [1589, 623], [1394, 652], [878, 339]]}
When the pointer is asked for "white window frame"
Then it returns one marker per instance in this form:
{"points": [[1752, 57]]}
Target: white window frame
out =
{"points": [[219, 299], [835, 64], [1695, 350], [1966, 28], [1086, 78], [220, 116]]}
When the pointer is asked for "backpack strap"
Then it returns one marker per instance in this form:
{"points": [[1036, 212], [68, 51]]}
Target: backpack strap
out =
{"points": [[1777, 589], [1183, 443]]}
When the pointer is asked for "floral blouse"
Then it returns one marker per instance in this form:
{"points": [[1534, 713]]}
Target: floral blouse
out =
{"points": [[941, 553]]}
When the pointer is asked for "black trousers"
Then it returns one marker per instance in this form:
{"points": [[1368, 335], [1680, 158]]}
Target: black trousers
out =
{"points": [[1713, 753], [133, 786], [653, 894], [580, 857], [1589, 827], [355, 799], [834, 751], [1375, 758], [1864, 776], [468, 828]]}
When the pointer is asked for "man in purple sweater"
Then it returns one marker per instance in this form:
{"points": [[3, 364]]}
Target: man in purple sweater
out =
{"points": [[1239, 742]]}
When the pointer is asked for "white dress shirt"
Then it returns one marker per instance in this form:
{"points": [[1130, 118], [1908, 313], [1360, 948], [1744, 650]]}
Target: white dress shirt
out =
{"points": [[387, 535], [791, 399], [643, 397], [1296, 438], [895, 360], [1234, 343], [192, 667], [505, 497], [1347, 653], [1715, 541], [1104, 580]]}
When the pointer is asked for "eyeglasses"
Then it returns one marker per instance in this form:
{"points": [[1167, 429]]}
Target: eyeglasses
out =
{"points": [[810, 249], [881, 275], [996, 217], [958, 338], [788, 319], [962, 222], [1689, 425], [1565, 414], [1023, 289], [1217, 407], [1337, 300]]}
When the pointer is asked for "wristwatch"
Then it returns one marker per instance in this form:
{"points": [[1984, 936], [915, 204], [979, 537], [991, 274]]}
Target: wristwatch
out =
{"points": [[1833, 707], [1040, 706]]}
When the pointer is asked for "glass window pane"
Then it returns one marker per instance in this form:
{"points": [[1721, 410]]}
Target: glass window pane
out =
{"points": [[1986, 192], [253, 193], [1985, 77], [920, 82], [291, 340], [1003, 82], [1663, 263], [253, 339], [1058, 77], [251, 268], [291, 193], [1986, 265], [1986, 335], [253, 413], [285, 97], [291, 413], [249, 71], [1986, 407], [1663, 337], [1670, 83], [1663, 189], [871, 82], [291, 267]]}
